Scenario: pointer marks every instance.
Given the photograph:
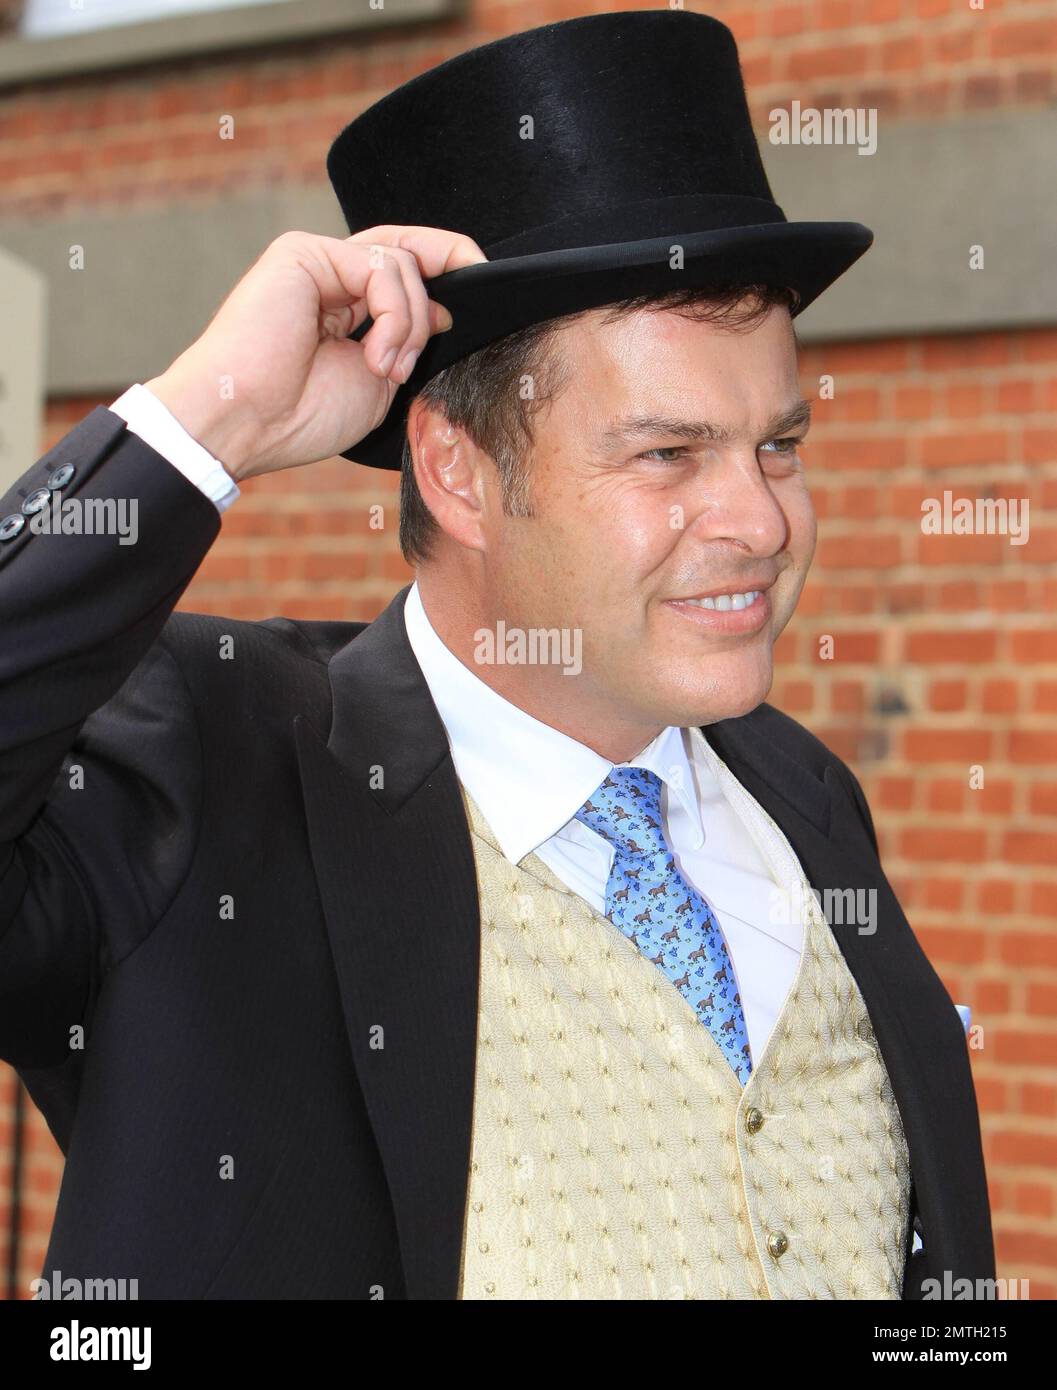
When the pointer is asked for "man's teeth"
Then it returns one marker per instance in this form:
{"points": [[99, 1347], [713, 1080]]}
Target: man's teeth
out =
{"points": [[724, 602]]}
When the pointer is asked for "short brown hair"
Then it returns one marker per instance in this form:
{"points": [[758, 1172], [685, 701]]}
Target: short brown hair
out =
{"points": [[482, 394]]}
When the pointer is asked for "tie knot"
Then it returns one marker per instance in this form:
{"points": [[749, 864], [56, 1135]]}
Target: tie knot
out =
{"points": [[626, 810]]}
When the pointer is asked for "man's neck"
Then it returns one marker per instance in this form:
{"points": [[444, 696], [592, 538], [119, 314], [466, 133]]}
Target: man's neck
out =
{"points": [[542, 691]]}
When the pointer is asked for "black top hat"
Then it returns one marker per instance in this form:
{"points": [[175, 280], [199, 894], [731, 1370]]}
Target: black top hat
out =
{"points": [[577, 155]]}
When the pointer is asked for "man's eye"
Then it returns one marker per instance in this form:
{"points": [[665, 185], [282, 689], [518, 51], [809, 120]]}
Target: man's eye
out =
{"points": [[676, 449], [786, 447]]}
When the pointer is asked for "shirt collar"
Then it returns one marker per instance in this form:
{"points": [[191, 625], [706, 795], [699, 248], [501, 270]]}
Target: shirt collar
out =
{"points": [[527, 779]]}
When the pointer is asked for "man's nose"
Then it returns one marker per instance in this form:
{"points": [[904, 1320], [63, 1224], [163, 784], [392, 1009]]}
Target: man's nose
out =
{"points": [[737, 503]]}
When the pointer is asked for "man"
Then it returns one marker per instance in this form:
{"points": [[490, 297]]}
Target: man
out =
{"points": [[444, 957]]}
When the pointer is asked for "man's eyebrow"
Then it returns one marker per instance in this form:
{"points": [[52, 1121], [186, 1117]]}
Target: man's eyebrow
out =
{"points": [[792, 417]]}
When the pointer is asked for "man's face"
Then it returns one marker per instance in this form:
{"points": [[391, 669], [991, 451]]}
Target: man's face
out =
{"points": [[634, 522]]}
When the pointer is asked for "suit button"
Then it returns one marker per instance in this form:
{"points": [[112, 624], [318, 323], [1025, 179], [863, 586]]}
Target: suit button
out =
{"points": [[36, 501], [61, 476], [777, 1244], [10, 526], [754, 1120], [864, 1030]]}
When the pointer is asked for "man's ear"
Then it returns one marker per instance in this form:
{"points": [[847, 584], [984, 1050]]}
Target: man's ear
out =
{"points": [[448, 471]]}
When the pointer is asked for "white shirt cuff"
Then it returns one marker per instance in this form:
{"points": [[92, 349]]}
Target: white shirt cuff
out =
{"points": [[156, 425]]}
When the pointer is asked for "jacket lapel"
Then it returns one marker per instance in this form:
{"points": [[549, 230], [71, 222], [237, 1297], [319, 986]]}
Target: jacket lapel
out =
{"points": [[396, 873]]}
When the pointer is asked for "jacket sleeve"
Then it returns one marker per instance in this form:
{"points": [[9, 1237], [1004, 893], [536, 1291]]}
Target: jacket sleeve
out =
{"points": [[99, 758]]}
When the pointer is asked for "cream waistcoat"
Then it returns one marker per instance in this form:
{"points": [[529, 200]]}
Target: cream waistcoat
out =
{"points": [[614, 1154]]}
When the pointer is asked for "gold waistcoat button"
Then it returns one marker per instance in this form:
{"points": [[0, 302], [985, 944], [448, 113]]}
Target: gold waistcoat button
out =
{"points": [[753, 1120], [777, 1244], [864, 1030]]}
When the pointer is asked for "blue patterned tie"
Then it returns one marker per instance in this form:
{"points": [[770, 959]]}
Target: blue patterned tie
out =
{"points": [[654, 906]]}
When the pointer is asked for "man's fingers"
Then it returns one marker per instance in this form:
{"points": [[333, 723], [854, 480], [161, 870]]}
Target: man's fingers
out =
{"points": [[436, 249], [380, 271], [401, 330], [418, 300]]}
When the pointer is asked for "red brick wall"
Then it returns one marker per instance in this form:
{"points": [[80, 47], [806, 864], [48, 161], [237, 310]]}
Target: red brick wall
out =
{"points": [[945, 648]]}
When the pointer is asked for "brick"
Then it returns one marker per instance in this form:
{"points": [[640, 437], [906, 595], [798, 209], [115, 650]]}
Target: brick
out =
{"points": [[1042, 800], [1032, 746], [856, 404], [849, 552], [946, 795], [1008, 596], [1034, 1199], [983, 92], [912, 403], [1044, 697], [795, 697], [1042, 999], [337, 565], [970, 351], [964, 400], [1038, 446], [1031, 1150], [847, 697], [1039, 345], [947, 945], [992, 1094], [1029, 950], [1030, 645], [848, 648], [969, 646], [863, 503], [844, 60], [902, 54], [948, 695], [1039, 1098], [966, 747], [1030, 847], [993, 798], [964, 450], [853, 598], [1023, 38], [1017, 396], [941, 943], [952, 550], [995, 895], [991, 998], [950, 845]]}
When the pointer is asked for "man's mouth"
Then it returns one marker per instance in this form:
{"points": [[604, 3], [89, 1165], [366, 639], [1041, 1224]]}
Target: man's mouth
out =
{"points": [[728, 612], [725, 600], [723, 603]]}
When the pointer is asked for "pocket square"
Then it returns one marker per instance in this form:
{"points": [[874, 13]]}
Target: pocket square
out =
{"points": [[964, 1013]]}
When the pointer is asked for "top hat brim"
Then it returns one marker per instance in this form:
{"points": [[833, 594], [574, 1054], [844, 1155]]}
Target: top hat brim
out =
{"points": [[491, 299]]}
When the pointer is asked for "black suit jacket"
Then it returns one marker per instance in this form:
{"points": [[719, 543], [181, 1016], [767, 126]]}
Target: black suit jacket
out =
{"points": [[227, 909]]}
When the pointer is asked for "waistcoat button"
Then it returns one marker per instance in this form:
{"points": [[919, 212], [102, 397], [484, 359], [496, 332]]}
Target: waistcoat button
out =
{"points": [[864, 1029], [778, 1244], [753, 1120]]}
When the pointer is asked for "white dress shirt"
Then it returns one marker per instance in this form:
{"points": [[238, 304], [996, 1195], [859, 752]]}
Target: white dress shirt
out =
{"points": [[529, 780], [156, 425]]}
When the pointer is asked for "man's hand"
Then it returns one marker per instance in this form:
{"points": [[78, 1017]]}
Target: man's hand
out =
{"points": [[275, 382]]}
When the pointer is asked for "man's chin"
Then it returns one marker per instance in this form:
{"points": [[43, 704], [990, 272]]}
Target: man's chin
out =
{"points": [[713, 705]]}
